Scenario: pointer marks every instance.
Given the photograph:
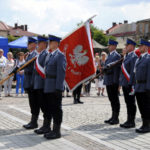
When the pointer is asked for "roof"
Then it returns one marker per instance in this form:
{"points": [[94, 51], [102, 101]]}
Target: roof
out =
{"points": [[144, 20], [3, 26], [97, 45], [124, 29], [20, 32], [15, 32], [113, 28]]}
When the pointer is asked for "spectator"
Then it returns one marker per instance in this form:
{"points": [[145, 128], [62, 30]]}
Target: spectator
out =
{"points": [[20, 74], [97, 63], [67, 91], [101, 86], [87, 89], [8, 68], [2, 65]]}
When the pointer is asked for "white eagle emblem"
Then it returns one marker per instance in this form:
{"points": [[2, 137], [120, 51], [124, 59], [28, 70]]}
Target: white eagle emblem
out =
{"points": [[79, 56]]}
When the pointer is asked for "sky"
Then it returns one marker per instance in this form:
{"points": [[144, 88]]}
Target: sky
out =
{"points": [[59, 17]]}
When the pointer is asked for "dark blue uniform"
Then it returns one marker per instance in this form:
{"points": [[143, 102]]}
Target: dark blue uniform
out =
{"points": [[142, 77], [142, 87], [111, 80], [28, 85], [127, 85], [55, 67]]}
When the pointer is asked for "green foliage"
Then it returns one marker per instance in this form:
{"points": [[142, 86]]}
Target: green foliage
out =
{"points": [[12, 38], [99, 36]]}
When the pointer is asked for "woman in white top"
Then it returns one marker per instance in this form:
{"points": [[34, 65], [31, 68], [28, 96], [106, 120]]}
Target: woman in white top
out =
{"points": [[101, 86], [2, 66], [8, 68]]}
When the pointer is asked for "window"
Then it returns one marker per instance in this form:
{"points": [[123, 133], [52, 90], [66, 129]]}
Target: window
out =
{"points": [[146, 28]]}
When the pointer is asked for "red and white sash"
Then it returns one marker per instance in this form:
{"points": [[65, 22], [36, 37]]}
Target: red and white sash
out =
{"points": [[127, 76], [39, 68], [125, 72]]}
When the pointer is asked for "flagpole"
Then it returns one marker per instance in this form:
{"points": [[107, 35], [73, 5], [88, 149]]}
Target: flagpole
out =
{"points": [[79, 26]]}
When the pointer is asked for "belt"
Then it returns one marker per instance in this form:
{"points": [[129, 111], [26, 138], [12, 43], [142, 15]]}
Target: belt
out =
{"points": [[28, 73], [51, 76], [140, 81]]}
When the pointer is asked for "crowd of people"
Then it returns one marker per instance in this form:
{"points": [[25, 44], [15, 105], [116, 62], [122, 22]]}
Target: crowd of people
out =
{"points": [[6, 67]]}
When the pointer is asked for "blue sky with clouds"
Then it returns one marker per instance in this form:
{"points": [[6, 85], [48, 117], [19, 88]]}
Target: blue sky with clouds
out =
{"points": [[61, 16]]}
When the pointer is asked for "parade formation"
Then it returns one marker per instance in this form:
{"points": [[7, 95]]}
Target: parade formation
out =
{"points": [[48, 71]]}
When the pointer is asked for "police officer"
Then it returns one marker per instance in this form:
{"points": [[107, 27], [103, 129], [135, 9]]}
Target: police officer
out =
{"points": [[111, 80], [126, 82], [38, 82], [77, 95], [55, 67], [28, 72], [142, 86]]}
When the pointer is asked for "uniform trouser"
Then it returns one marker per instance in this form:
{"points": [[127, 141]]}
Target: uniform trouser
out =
{"points": [[112, 91], [77, 92], [88, 87], [0, 90], [130, 101], [42, 102], [143, 102], [33, 102], [54, 107]]}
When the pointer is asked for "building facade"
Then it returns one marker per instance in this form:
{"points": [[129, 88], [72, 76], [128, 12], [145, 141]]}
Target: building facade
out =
{"points": [[17, 31]]}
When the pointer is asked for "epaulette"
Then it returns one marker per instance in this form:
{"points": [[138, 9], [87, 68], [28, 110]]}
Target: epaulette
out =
{"points": [[117, 53]]}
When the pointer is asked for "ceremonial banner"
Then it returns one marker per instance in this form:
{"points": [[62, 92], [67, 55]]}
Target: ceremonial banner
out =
{"points": [[78, 50]]}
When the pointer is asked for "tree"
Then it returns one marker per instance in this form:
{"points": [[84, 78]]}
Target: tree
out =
{"points": [[12, 38], [98, 35]]}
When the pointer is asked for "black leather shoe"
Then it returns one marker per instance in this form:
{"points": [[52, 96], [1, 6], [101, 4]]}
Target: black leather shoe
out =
{"points": [[114, 121], [79, 101], [45, 128], [42, 130], [55, 134], [108, 121], [52, 135], [30, 125], [128, 124], [145, 128], [75, 101]]}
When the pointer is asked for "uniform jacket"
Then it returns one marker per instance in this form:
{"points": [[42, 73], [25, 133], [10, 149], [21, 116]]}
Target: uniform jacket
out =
{"points": [[55, 66], [38, 81], [112, 75], [28, 71], [129, 62], [142, 73]]}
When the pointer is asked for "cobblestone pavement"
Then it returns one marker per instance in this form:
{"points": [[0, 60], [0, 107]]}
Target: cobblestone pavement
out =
{"points": [[83, 127]]}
